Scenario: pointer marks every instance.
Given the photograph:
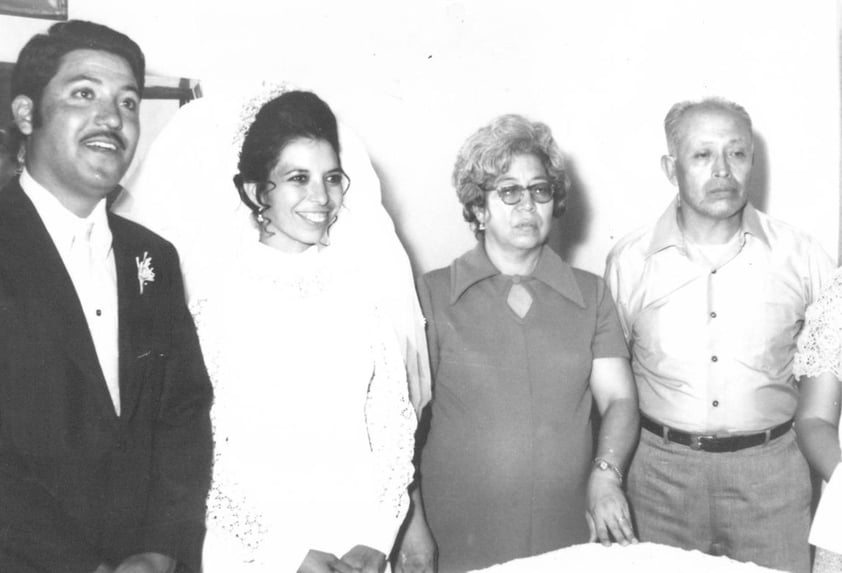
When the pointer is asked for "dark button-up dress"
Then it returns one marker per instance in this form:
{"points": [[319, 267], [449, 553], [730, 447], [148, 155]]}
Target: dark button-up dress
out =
{"points": [[508, 453]]}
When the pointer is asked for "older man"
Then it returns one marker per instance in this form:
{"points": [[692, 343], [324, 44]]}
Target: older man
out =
{"points": [[105, 443], [712, 297]]}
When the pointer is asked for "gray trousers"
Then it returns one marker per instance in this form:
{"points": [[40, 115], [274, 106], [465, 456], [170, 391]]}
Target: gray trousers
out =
{"points": [[750, 505]]}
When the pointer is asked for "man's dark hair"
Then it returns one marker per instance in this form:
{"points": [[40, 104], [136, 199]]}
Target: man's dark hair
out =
{"points": [[40, 58], [10, 141]]}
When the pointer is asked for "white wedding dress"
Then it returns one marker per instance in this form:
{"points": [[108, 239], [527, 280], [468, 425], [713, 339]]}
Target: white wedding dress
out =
{"points": [[309, 354], [312, 424]]}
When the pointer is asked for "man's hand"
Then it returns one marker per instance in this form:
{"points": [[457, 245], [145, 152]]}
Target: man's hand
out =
{"points": [[608, 511], [147, 563], [365, 559], [417, 553], [321, 562]]}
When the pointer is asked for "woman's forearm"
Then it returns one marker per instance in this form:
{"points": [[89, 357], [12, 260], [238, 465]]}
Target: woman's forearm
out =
{"points": [[819, 441], [619, 431]]}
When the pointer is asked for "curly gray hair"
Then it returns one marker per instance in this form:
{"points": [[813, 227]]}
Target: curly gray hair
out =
{"points": [[488, 153]]}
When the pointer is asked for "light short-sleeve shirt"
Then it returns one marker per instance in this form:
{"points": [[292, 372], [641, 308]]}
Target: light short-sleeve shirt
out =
{"points": [[712, 345]]}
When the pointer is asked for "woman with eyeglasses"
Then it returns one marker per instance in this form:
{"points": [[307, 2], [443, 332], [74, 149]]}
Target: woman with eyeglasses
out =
{"points": [[521, 346]]}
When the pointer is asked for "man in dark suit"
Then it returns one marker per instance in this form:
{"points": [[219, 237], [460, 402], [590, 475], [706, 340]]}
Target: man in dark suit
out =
{"points": [[105, 444]]}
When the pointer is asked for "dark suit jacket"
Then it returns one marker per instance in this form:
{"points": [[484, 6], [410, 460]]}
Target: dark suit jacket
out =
{"points": [[79, 485]]}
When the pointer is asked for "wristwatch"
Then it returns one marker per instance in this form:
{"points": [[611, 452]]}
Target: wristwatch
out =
{"points": [[604, 465]]}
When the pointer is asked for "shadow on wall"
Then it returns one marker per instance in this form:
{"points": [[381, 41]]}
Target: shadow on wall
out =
{"points": [[758, 189], [390, 201], [570, 230]]}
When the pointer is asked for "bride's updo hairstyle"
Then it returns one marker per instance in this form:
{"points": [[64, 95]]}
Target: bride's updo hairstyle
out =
{"points": [[290, 116]]}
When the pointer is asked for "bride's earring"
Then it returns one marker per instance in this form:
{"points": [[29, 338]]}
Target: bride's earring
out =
{"points": [[261, 220]]}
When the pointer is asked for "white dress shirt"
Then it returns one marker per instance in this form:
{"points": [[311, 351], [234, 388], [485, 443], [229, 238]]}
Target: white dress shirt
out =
{"points": [[85, 248], [712, 341]]}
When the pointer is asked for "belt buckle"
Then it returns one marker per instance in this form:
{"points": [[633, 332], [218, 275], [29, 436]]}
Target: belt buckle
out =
{"points": [[697, 441]]}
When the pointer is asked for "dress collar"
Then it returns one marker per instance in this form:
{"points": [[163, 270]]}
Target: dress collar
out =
{"points": [[63, 225], [475, 266], [668, 233]]}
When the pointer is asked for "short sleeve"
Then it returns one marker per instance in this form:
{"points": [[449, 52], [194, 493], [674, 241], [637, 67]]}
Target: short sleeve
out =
{"points": [[609, 340], [613, 277], [820, 342]]}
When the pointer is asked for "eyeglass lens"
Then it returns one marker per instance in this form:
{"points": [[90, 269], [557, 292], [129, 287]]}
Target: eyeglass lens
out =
{"points": [[512, 194]]}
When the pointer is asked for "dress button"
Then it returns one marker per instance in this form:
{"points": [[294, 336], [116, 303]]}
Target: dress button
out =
{"points": [[715, 403], [713, 315], [714, 359]]}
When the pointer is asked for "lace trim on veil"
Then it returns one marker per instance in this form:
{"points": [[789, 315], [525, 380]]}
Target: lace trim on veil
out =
{"points": [[227, 503], [390, 418]]}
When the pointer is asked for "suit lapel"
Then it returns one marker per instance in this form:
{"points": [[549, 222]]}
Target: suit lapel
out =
{"points": [[37, 270], [134, 314]]}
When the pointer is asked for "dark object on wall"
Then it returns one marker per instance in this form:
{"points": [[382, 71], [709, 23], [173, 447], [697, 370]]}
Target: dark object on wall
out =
{"points": [[157, 87], [49, 9]]}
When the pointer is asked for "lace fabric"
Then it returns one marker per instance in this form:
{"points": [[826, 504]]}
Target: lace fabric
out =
{"points": [[389, 414], [240, 317], [820, 342]]}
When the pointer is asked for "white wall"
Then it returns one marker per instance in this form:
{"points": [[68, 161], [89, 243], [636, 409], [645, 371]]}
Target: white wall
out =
{"points": [[416, 78]]}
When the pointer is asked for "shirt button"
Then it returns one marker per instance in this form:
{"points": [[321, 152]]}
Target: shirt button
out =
{"points": [[713, 272], [715, 403], [713, 315], [714, 359], [98, 312]]}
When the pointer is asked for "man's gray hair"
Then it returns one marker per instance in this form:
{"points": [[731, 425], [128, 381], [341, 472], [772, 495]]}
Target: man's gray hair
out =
{"points": [[672, 121]]}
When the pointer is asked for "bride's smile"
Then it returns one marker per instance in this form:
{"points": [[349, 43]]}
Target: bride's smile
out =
{"points": [[303, 196]]}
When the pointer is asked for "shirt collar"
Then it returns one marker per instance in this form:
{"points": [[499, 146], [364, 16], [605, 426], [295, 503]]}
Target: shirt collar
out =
{"points": [[475, 266], [62, 224], [668, 233]]}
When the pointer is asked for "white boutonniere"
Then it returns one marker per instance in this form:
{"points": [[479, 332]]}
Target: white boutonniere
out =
{"points": [[145, 272]]}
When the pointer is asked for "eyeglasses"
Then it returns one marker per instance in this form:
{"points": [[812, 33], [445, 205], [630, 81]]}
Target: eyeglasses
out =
{"points": [[512, 194]]}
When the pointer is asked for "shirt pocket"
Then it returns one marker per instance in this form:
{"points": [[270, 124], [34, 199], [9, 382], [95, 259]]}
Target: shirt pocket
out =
{"points": [[767, 338]]}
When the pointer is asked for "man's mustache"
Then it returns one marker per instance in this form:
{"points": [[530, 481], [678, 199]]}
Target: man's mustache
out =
{"points": [[113, 136]]}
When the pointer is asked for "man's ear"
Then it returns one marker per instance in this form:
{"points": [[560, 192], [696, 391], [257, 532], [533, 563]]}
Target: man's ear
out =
{"points": [[22, 111], [668, 167]]}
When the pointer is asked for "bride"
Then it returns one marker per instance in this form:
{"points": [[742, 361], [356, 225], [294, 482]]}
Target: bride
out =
{"points": [[313, 427]]}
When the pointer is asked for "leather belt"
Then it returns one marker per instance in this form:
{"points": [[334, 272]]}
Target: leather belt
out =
{"points": [[713, 443]]}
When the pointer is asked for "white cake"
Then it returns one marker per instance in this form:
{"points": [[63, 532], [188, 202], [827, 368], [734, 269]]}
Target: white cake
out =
{"points": [[644, 557]]}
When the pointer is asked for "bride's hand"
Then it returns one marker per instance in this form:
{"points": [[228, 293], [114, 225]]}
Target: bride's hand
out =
{"points": [[365, 559], [321, 562]]}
